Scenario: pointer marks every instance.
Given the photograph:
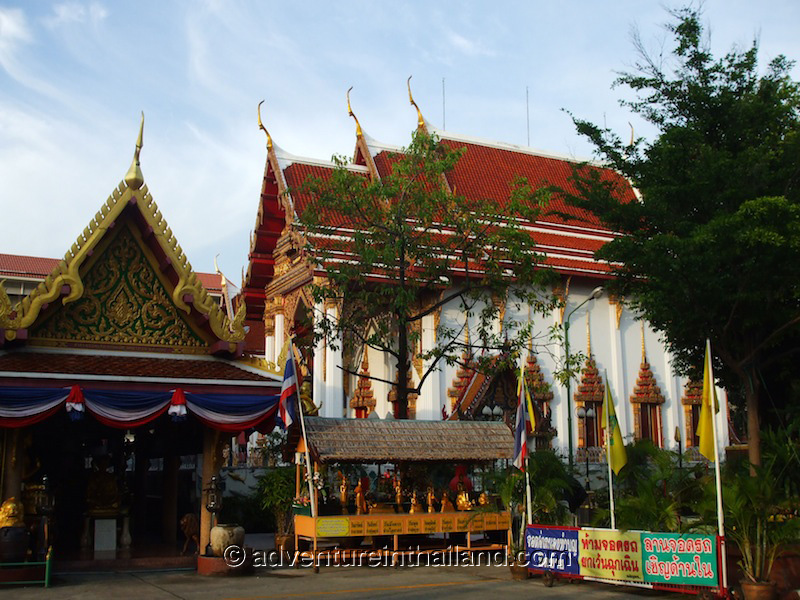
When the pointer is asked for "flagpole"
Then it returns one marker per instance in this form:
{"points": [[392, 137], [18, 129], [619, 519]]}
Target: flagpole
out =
{"points": [[312, 496], [717, 477], [608, 460]]}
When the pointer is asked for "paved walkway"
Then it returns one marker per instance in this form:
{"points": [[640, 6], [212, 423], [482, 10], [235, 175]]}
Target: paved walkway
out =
{"points": [[351, 582]]}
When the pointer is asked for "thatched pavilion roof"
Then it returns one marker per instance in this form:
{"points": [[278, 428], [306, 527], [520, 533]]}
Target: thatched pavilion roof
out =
{"points": [[393, 441]]}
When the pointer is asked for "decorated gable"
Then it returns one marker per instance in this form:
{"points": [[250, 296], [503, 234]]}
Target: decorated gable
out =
{"points": [[125, 301]]}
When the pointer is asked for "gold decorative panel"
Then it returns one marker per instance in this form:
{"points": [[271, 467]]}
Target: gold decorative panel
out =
{"points": [[124, 302]]}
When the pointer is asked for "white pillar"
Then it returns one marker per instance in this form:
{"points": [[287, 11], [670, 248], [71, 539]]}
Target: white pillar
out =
{"points": [[269, 344], [672, 409], [429, 407], [559, 403], [279, 334], [334, 376], [318, 385]]}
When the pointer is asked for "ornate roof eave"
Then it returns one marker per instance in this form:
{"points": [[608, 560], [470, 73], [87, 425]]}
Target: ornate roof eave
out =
{"points": [[65, 279]]}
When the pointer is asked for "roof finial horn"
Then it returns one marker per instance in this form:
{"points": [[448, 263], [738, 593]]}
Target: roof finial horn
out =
{"points": [[134, 177], [264, 129], [420, 119], [350, 112]]}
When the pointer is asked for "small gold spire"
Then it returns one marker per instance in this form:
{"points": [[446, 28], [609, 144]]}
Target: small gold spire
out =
{"points": [[350, 112], [264, 129], [644, 353], [420, 119], [134, 177]]}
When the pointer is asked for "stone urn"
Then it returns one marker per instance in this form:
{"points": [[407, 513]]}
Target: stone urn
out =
{"points": [[13, 544], [223, 536]]}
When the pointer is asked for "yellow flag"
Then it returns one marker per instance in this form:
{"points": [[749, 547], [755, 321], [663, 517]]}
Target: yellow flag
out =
{"points": [[523, 385], [705, 426], [615, 448]]}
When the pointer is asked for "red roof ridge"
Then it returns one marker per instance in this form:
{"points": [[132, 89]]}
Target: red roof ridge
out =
{"points": [[286, 159], [468, 139]]}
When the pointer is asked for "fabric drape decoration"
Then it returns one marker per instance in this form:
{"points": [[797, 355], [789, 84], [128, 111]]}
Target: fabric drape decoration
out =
{"points": [[23, 406]]}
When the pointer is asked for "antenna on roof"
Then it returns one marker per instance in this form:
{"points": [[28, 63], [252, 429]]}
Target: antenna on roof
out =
{"points": [[444, 123], [528, 116]]}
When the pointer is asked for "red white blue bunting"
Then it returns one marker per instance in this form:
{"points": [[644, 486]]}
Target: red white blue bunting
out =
{"points": [[20, 407]]}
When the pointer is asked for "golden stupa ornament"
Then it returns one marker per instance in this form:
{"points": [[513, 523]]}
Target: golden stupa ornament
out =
{"points": [[420, 118], [134, 177]]}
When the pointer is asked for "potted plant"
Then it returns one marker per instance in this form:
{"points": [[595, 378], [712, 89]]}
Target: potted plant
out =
{"points": [[759, 521], [276, 493]]}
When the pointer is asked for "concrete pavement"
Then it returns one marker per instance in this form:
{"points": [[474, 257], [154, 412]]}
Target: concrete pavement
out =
{"points": [[350, 582]]}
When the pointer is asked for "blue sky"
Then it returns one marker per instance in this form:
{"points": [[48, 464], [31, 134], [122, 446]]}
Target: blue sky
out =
{"points": [[75, 75]]}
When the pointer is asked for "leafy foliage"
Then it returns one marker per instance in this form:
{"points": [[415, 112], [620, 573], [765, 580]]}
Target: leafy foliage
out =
{"points": [[710, 249], [397, 248], [275, 492], [654, 492]]}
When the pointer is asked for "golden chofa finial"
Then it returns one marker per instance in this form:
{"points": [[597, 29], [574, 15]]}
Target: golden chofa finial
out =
{"points": [[350, 112], [134, 177], [420, 119], [264, 129]]}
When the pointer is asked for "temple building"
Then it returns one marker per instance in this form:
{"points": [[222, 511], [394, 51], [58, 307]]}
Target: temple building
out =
{"points": [[120, 378], [620, 349]]}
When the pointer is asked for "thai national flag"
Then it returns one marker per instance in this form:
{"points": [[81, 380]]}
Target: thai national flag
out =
{"points": [[288, 401], [521, 431]]}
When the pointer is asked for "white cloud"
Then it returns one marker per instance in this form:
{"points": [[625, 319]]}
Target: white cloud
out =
{"points": [[13, 33], [466, 45], [75, 12]]}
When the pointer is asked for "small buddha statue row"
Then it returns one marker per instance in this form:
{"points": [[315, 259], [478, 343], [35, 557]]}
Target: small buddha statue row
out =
{"points": [[463, 501]]}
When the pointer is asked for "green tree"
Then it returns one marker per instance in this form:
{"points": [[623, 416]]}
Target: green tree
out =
{"points": [[711, 248], [397, 248]]}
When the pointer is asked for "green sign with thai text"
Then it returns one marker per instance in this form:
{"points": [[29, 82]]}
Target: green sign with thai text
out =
{"points": [[679, 559]]}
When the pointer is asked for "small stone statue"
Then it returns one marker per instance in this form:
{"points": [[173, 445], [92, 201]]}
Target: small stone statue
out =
{"points": [[447, 505], [431, 498], [416, 505], [462, 498]]}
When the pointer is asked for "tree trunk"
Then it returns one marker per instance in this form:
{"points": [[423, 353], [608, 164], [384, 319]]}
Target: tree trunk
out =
{"points": [[403, 366], [751, 394]]}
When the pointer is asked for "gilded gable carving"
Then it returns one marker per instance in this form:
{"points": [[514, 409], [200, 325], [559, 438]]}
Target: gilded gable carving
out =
{"points": [[123, 302]]}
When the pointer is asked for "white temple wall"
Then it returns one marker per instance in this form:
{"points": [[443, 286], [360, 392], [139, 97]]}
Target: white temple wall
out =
{"points": [[617, 350]]}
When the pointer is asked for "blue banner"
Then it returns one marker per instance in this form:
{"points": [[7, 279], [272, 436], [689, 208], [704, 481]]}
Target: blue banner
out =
{"points": [[553, 550]]}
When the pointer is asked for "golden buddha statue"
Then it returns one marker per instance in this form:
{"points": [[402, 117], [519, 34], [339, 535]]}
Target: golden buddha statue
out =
{"points": [[431, 498], [416, 505], [361, 503], [102, 492], [462, 498], [447, 505], [483, 499], [11, 513], [309, 408], [398, 492], [343, 489]]}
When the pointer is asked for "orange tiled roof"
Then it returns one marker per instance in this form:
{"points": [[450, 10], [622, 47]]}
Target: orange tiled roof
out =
{"points": [[38, 267], [124, 366]]}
